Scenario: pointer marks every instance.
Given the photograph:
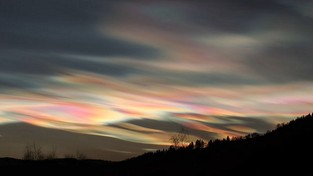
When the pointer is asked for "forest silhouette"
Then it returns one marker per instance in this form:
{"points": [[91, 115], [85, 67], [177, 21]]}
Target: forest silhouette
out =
{"points": [[286, 150]]}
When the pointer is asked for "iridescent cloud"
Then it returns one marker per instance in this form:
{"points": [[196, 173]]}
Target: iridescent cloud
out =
{"points": [[138, 71]]}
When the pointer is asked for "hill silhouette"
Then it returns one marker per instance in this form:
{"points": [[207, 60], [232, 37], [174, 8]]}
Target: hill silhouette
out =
{"points": [[286, 150]]}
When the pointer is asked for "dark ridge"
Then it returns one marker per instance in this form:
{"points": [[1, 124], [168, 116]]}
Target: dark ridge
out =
{"points": [[286, 150]]}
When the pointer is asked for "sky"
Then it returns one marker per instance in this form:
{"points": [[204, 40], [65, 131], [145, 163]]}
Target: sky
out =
{"points": [[115, 78]]}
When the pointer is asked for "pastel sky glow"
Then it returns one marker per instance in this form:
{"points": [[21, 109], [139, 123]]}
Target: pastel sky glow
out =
{"points": [[135, 72]]}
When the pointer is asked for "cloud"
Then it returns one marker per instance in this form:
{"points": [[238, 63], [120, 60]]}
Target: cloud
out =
{"points": [[8, 81], [98, 105], [138, 71], [172, 128], [222, 125], [222, 38], [25, 70], [38, 36], [62, 27], [291, 63], [97, 147]]}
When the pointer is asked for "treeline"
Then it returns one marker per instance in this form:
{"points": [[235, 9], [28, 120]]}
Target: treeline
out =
{"points": [[286, 150], [283, 150], [35, 152], [300, 125]]}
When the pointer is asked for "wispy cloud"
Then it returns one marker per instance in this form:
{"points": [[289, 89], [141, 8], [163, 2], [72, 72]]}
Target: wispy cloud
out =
{"points": [[119, 68]]}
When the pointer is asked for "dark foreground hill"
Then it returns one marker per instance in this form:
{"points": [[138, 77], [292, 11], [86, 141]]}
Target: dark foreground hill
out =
{"points": [[287, 150]]}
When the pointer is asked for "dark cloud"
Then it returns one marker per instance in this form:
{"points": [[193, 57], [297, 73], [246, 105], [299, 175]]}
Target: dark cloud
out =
{"points": [[231, 16], [171, 126], [39, 63], [223, 122], [284, 64], [25, 70], [28, 63], [69, 11], [70, 40], [14, 138], [257, 123], [35, 33], [272, 40], [62, 27], [16, 81], [201, 79], [226, 16], [283, 57]]}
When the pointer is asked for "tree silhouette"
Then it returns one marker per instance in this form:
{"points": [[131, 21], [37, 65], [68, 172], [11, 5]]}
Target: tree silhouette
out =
{"points": [[191, 146], [227, 139], [52, 154], [78, 155], [33, 152], [180, 139], [286, 150], [199, 144]]}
